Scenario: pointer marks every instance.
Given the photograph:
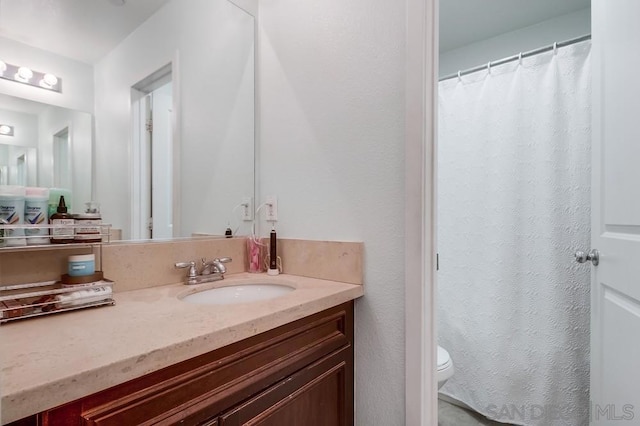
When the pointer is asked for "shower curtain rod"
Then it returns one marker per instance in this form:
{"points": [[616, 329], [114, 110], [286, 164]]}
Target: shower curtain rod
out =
{"points": [[517, 57]]}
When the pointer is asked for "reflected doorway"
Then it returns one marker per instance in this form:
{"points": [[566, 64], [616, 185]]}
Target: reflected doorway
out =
{"points": [[61, 159], [152, 204], [21, 169]]}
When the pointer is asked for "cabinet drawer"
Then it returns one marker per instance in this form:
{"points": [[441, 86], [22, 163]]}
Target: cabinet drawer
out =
{"points": [[314, 396]]}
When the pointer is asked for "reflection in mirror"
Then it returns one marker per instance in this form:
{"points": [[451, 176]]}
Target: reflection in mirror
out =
{"points": [[61, 160], [103, 55], [50, 147], [18, 165], [152, 150], [206, 122]]}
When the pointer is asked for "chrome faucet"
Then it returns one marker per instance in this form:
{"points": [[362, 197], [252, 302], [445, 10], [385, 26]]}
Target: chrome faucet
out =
{"points": [[212, 270]]}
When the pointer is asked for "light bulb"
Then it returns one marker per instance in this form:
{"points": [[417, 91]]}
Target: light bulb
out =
{"points": [[24, 74], [5, 130], [48, 81]]}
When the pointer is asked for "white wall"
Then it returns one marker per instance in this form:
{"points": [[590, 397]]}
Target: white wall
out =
{"points": [[25, 131], [332, 150], [562, 28], [77, 77], [50, 122], [211, 46]]}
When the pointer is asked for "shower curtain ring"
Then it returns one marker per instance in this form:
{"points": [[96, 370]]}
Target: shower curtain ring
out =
{"points": [[459, 75], [520, 59], [489, 67], [555, 48]]}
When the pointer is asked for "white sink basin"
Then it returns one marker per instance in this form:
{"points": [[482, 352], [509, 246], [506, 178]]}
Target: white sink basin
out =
{"points": [[240, 293]]}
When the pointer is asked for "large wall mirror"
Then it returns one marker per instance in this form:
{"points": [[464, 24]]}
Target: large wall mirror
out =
{"points": [[156, 108]]}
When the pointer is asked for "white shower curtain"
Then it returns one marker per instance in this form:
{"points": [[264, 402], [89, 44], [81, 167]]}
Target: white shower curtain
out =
{"points": [[513, 206]]}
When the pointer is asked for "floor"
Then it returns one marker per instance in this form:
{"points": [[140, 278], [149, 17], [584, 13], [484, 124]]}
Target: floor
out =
{"points": [[452, 415]]}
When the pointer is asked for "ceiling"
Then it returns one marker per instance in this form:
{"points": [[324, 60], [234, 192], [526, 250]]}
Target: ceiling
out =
{"points": [[84, 30], [467, 21]]}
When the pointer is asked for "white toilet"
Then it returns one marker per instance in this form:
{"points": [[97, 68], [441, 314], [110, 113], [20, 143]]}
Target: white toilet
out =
{"points": [[445, 367]]}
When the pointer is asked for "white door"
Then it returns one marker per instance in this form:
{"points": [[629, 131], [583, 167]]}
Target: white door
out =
{"points": [[162, 163], [615, 288], [152, 192]]}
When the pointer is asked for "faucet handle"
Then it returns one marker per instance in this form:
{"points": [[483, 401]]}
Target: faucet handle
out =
{"points": [[214, 266], [206, 266], [193, 272]]}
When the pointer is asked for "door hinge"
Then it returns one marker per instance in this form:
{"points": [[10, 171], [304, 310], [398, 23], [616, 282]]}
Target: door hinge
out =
{"points": [[437, 261], [149, 125]]}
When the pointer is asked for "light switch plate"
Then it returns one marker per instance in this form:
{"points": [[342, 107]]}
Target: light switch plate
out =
{"points": [[271, 208], [247, 209]]}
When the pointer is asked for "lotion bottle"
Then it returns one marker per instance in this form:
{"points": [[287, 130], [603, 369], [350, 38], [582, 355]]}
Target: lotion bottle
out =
{"points": [[61, 217]]}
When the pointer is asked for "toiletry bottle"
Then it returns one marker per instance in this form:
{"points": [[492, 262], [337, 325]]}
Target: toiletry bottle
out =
{"points": [[54, 199], [62, 235], [12, 213], [36, 213], [91, 219]]}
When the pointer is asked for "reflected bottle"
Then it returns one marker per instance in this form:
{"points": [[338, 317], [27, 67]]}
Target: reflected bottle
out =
{"points": [[62, 234], [12, 213], [36, 207]]}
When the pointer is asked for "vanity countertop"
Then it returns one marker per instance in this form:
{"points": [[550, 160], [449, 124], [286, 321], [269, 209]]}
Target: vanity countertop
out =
{"points": [[46, 362]]}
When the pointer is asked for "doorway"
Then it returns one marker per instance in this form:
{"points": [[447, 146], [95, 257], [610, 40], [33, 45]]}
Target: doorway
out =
{"points": [[21, 169], [153, 195], [62, 173], [514, 125]]}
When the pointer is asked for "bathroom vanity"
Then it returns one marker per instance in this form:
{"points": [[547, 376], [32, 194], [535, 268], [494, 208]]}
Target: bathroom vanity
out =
{"points": [[299, 373], [285, 361]]}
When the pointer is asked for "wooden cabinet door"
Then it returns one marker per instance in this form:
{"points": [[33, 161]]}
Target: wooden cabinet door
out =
{"points": [[319, 395]]}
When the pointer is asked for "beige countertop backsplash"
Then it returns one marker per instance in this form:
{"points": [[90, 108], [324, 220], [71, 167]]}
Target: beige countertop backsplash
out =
{"points": [[137, 265]]}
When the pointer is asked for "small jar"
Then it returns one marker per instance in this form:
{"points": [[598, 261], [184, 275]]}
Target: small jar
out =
{"points": [[81, 265], [88, 229]]}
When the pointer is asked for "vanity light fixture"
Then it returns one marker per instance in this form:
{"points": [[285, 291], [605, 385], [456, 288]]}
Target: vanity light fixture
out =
{"points": [[28, 76], [6, 130]]}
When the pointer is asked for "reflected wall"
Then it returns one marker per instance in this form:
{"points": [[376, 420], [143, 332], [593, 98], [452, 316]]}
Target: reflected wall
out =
{"points": [[210, 46]]}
